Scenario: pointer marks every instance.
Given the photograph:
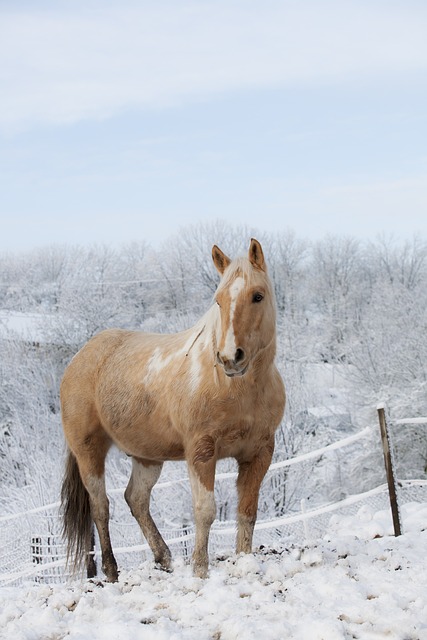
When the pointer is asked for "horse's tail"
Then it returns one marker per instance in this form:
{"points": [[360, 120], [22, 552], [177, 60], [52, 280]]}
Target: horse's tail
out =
{"points": [[77, 522]]}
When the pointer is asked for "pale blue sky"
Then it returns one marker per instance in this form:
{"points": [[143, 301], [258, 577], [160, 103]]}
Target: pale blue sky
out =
{"points": [[127, 120]]}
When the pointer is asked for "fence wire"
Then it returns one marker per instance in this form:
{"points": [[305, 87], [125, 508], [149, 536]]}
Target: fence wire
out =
{"points": [[32, 549]]}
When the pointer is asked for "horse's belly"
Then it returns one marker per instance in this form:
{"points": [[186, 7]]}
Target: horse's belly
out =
{"points": [[141, 441], [140, 428]]}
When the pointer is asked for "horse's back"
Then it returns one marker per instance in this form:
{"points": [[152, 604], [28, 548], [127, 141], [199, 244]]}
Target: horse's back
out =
{"points": [[108, 387], [84, 366], [109, 348]]}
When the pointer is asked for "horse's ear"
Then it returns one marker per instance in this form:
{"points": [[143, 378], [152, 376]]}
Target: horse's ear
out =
{"points": [[256, 255], [221, 261]]}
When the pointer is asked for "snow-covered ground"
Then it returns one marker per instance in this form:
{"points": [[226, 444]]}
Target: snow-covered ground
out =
{"points": [[28, 326], [351, 584]]}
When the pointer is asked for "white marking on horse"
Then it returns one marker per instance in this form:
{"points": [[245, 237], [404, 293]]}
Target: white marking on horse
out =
{"points": [[158, 361], [204, 507], [230, 339], [142, 480]]}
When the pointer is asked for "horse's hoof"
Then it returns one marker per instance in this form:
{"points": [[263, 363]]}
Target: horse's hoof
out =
{"points": [[163, 567], [164, 562], [111, 574], [113, 578], [200, 571]]}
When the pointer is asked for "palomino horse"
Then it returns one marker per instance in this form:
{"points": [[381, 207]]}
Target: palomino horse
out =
{"points": [[203, 394]]}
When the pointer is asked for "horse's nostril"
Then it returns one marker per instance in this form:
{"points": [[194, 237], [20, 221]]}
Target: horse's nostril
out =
{"points": [[240, 355]]}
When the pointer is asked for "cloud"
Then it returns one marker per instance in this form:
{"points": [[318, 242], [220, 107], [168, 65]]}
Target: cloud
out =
{"points": [[64, 65]]}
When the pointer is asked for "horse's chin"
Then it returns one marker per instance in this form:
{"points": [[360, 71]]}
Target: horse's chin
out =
{"points": [[236, 374]]}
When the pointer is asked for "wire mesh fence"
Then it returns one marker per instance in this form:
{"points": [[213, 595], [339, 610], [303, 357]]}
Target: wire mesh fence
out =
{"points": [[32, 549]]}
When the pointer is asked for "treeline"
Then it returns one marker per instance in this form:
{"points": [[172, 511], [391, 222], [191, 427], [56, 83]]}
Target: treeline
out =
{"points": [[361, 306], [339, 300]]}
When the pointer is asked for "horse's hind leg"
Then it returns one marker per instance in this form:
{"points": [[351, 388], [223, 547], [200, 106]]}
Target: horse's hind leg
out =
{"points": [[91, 460], [100, 512], [144, 476]]}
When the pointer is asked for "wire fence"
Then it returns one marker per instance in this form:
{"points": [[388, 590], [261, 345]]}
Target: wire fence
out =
{"points": [[32, 549]]}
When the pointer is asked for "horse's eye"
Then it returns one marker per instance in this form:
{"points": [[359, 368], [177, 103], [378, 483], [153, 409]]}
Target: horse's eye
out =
{"points": [[257, 297]]}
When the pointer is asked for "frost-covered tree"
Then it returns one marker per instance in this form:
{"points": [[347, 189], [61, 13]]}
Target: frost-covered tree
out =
{"points": [[359, 306], [90, 298], [388, 349], [336, 285], [138, 282], [400, 264], [30, 434]]}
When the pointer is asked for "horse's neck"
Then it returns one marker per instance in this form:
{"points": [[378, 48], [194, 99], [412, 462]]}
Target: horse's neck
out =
{"points": [[204, 334], [264, 359], [209, 327]]}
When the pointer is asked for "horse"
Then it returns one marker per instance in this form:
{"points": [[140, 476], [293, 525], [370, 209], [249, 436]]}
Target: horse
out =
{"points": [[203, 394]]}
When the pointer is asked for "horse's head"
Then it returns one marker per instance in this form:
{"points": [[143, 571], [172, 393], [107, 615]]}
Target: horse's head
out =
{"points": [[247, 308]]}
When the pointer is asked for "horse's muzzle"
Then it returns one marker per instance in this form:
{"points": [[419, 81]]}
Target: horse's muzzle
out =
{"points": [[234, 367]]}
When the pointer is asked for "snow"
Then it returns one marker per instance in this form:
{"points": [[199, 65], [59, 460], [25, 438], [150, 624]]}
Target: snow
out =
{"points": [[31, 327], [356, 582], [28, 326]]}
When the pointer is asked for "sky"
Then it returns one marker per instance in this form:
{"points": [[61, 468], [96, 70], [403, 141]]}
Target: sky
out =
{"points": [[123, 121]]}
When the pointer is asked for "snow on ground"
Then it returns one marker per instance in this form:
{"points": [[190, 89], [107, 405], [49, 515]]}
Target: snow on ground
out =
{"points": [[351, 584], [25, 325]]}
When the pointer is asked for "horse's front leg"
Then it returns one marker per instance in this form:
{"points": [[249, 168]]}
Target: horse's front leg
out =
{"points": [[201, 467], [251, 474]]}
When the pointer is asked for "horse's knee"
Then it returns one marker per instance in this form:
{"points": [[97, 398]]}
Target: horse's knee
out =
{"points": [[131, 501], [205, 507], [202, 479]]}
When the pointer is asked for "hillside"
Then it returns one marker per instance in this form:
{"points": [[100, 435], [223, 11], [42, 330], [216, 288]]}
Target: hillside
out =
{"points": [[350, 584]]}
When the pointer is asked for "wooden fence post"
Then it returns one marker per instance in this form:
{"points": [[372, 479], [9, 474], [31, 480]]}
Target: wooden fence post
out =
{"points": [[391, 480]]}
